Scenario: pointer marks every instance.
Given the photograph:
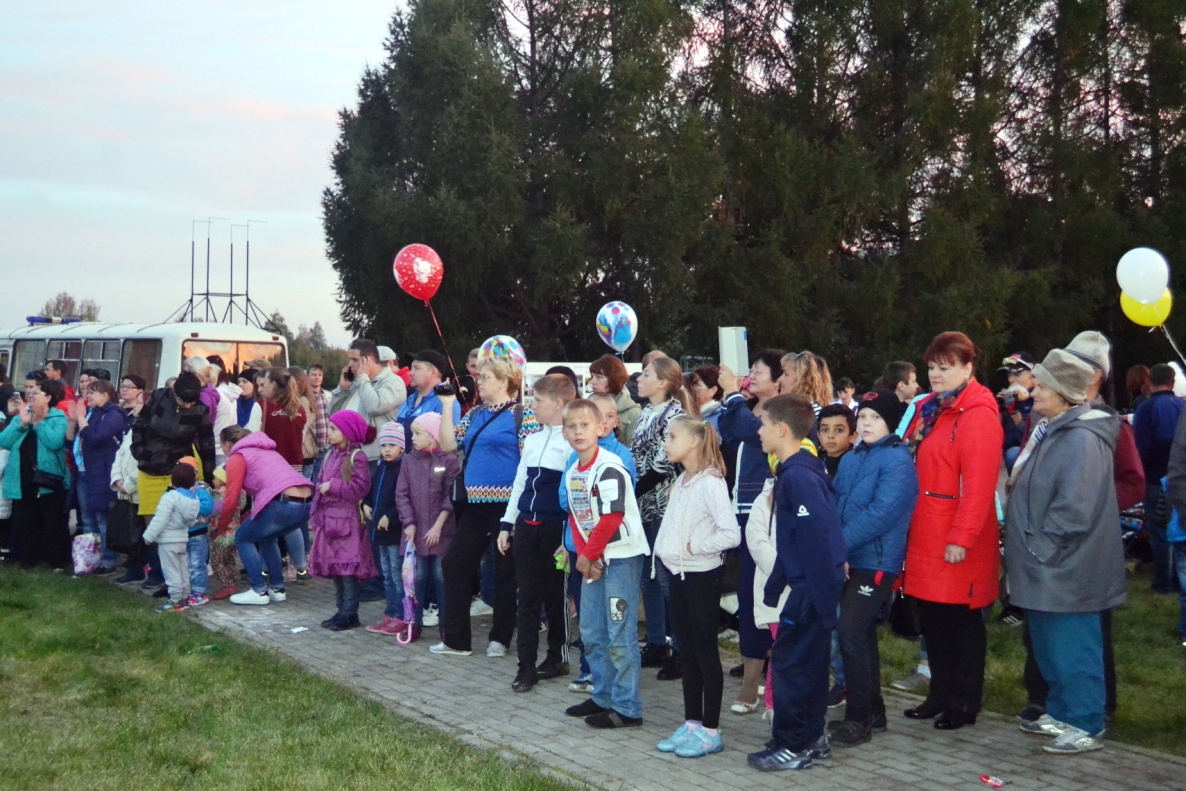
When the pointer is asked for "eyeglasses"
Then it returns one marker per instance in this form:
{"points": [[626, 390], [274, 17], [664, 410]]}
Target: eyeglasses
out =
{"points": [[127, 386]]}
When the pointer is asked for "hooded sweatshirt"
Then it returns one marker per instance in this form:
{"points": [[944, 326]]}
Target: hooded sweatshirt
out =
{"points": [[179, 510], [700, 514]]}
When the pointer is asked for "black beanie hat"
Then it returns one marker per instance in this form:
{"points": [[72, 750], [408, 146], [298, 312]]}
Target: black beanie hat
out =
{"points": [[187, 387], [886, 404], [435, 359]]}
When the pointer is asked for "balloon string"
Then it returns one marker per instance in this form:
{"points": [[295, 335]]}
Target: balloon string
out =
{"points": [[444, 345], [1170, 338]]}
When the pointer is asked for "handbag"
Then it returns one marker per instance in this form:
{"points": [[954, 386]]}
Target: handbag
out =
{"points": [[124, 527], [86, 553], [903, 617], [47, 480], [457, 495]]}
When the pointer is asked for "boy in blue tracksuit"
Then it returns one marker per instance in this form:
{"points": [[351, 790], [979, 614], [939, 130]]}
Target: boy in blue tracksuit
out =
{"points": [[811, 556], [607, 440], [536, 520], [876, 489]]}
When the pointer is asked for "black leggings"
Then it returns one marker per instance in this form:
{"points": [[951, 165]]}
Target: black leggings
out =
{"points": [[694, 604]]}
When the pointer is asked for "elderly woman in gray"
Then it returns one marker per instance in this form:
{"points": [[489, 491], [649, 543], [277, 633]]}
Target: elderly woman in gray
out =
{"points": [[1063, 552]]}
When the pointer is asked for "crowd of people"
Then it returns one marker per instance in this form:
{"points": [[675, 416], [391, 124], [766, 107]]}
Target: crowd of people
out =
{"points": [[820, 508]]}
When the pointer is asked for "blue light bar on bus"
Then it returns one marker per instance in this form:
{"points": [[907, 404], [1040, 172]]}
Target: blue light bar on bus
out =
{"points": [[51, 320]]}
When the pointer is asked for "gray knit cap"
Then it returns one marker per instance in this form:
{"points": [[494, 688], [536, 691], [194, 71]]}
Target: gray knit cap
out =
{"points": [[1065, 374]]}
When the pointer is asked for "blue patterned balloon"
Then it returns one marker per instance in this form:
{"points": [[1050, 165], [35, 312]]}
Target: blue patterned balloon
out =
{"points": [[503, 346], [617, 325]]}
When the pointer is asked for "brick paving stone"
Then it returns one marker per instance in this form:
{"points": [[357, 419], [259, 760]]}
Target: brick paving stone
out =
{"points": [[470, 697]]}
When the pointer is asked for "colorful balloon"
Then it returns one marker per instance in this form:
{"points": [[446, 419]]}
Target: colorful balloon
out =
{"points": [[1143, 274], [1147, 315], [418, 271], [617, 324], [503, 346]]}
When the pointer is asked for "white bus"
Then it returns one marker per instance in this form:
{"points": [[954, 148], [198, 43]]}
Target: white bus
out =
{"points": [[153, 351]]}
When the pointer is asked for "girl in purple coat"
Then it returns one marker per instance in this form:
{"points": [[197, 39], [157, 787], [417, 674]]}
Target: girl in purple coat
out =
{"points": [[341, 549]]}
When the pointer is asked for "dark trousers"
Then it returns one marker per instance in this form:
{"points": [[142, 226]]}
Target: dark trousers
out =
{"points": [[865, 593], [695, 600], [42, 532], [799, 672], [956, 646], [346, 593], [1037, 689], [541, 585], [754, 642], [476, 531], [1156, 516]]}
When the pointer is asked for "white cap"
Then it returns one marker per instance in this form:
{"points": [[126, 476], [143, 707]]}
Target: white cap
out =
{"points": [[386, 354]]}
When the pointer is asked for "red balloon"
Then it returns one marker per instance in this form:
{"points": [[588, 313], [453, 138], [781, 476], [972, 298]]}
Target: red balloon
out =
{"points": [[418, 271]]}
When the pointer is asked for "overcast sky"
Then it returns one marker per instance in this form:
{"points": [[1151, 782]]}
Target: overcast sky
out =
{"points": [[122, 122]]}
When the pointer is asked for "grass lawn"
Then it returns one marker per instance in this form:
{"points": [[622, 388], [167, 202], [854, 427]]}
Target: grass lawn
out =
{"points": [[1150, 660], [99, 692]]}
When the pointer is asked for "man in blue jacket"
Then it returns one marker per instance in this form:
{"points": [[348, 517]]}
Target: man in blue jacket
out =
{"points": [[811, 556], [1153, 427], [876, 489]]}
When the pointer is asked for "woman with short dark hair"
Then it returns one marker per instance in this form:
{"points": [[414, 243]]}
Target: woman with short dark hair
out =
{"points": [[608, 377]]}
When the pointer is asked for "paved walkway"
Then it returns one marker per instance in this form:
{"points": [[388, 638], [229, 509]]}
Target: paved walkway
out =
{"points": [[471, 697]]}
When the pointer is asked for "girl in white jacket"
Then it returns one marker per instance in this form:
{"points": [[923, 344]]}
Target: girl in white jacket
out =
{"points": [[698, 526]]}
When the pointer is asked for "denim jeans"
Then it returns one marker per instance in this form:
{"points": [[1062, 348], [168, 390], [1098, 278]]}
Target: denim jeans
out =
{"points": [[575, 585], [391, 566], [429, 567], [275, 520], [837, 661], [1180, 570], [95, 522], [297, 543], [1069, 648], [609, 628], [198, 553], [654, 599], [347, 591]]}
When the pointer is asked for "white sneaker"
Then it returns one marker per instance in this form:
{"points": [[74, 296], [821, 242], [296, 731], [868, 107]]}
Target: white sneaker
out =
{"points": [[441, 648], [277, 595], [431, 616], [1073, 740], [1044, 726], [480, 607], [249, 597], [496, 649]]}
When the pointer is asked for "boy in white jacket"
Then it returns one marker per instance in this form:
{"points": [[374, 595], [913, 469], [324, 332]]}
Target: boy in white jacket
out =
{"points": [[181, 507]]}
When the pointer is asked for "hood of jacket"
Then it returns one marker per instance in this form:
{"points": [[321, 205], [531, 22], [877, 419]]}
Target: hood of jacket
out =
{"points": [[256, 439], [230, 390]]}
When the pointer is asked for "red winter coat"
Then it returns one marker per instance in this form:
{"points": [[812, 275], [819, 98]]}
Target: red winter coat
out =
{"points": [[959, 464]]}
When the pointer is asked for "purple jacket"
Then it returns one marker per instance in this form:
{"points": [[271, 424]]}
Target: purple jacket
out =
{"points": [[422, 492], [210, 397], [268, 474], [341, 547]]}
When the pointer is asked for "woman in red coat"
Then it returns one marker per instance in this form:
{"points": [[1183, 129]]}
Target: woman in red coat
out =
{"points": [[953, 556]]}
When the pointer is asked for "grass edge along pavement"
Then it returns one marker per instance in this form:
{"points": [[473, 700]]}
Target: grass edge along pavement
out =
{"points": [[100, 692]]}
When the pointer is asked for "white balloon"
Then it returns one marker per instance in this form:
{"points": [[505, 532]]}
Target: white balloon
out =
{"points": [[1143, 274]]}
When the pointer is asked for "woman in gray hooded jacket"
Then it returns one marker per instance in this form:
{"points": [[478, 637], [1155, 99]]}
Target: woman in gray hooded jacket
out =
{"points": [[1065, 562]]}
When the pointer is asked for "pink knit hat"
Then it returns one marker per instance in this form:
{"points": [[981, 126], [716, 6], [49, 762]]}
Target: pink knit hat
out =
{"points": [[430, 422], [351, 424]]}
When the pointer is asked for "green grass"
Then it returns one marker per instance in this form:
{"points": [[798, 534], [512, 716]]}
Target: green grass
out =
{"points": [[1150, 660], [97, 692]]}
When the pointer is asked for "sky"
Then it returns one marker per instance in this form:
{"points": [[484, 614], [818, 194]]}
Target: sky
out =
{"points": [[123, 122]]}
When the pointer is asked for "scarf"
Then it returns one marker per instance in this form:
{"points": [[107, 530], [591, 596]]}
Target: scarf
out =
{"points": [[930, 411], [244, 405]]}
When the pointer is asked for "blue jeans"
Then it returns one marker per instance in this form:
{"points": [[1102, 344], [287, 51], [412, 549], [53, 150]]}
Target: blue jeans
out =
{"points": [[297, 543], [609, 627], [429, 567], [837, 662], [1180, 570], [654, 599], [347, 591], [197, 552], [275, 520], [1069, 648], [94, 521], [391, 566]]}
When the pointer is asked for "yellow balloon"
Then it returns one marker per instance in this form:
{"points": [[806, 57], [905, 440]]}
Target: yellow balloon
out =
{"points": [[1147, 315]]}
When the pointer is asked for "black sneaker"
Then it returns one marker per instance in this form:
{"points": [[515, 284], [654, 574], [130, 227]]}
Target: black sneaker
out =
{"points": [[1030, 713], [525, 681], [548, 670], [161, 592], [345, 623], [879, 724], [850, 733], [737, 672], [584, 709], [654, 655], [330, 621], [128, 578], [671, 670], [152, 582], [836, 696]]}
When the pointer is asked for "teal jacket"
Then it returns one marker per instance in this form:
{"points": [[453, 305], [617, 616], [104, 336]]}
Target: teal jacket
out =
{"points": [[51, 450]]}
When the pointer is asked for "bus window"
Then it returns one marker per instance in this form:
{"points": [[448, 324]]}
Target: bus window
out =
{"points": [[27, 356], [142, 358], [272, 352], [4, 363], [102, 354], [236, 355], [69, 352]]}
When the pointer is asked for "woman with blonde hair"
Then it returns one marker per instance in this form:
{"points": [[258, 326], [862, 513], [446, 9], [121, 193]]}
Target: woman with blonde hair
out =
{"points": [[662, 384], [806, 374]]}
